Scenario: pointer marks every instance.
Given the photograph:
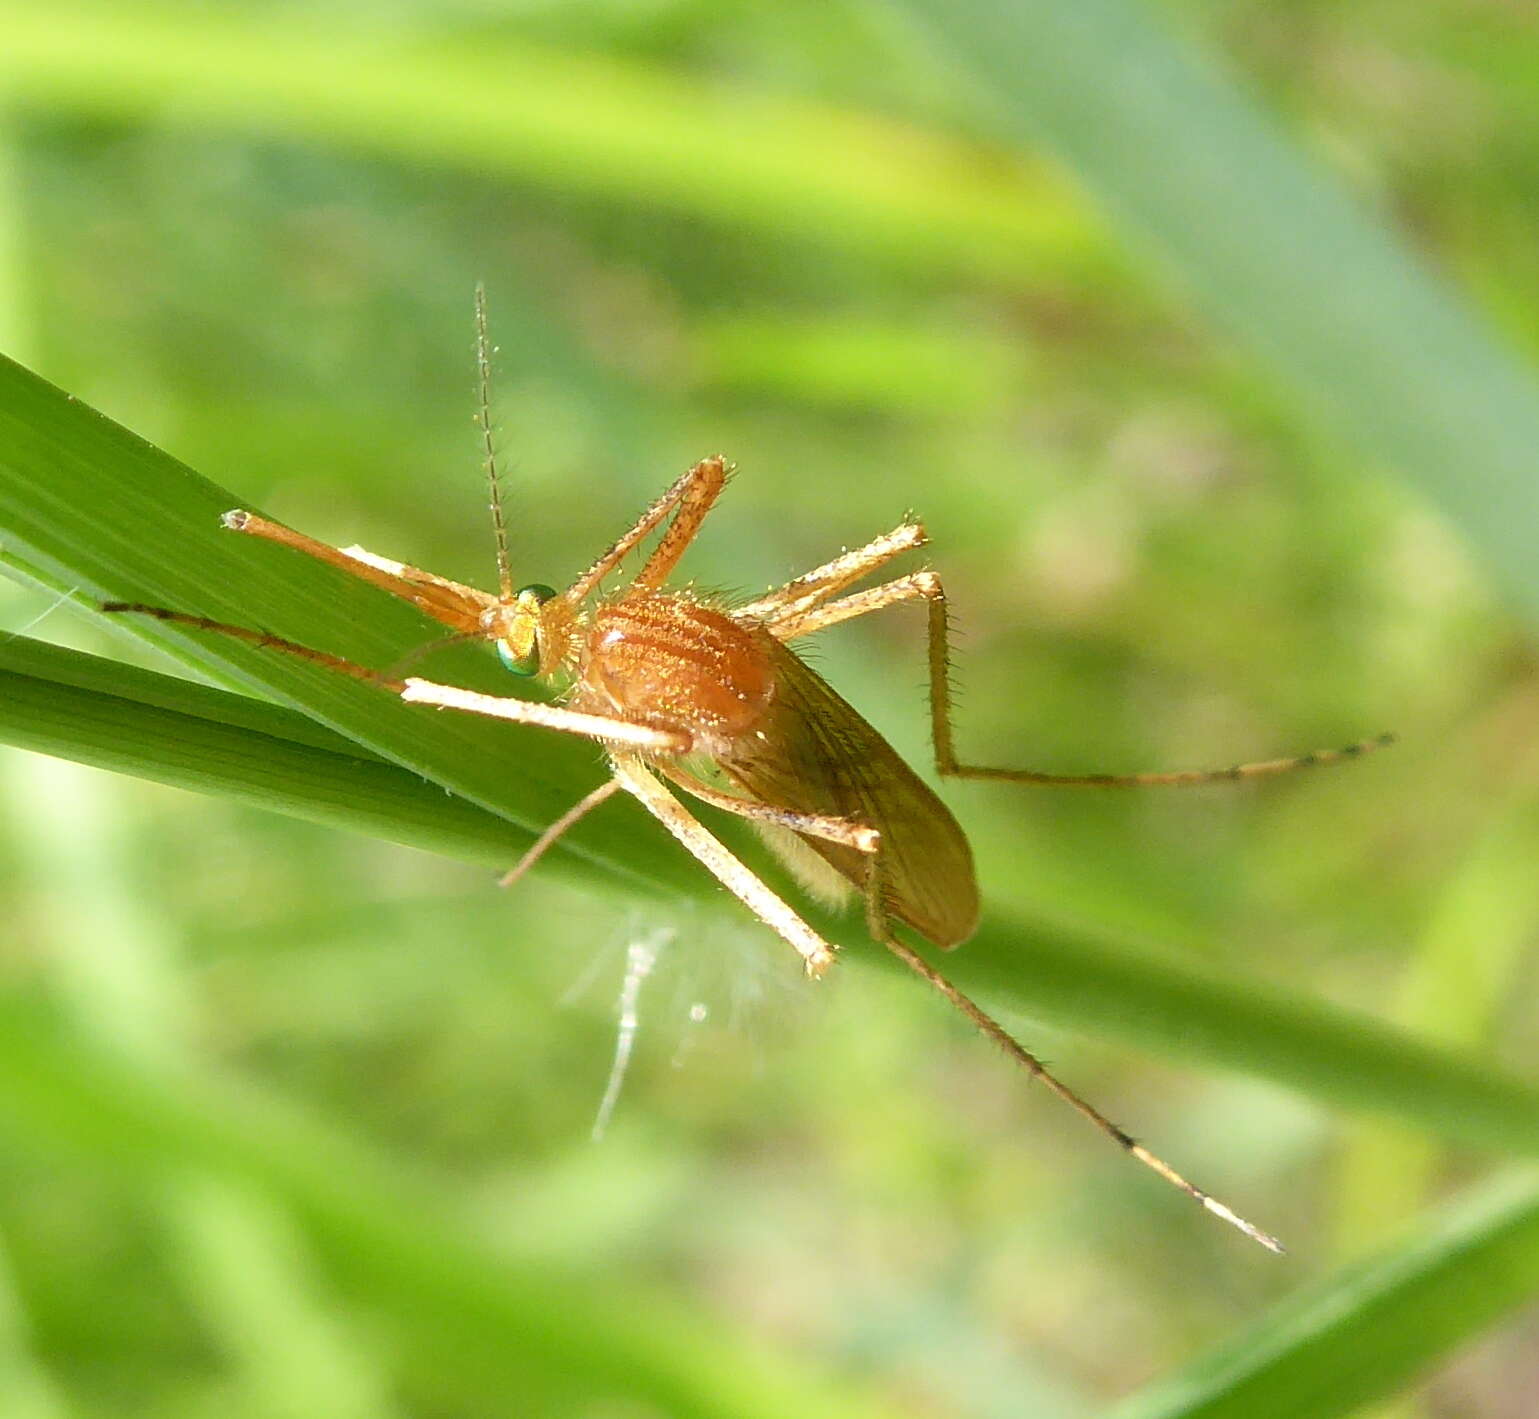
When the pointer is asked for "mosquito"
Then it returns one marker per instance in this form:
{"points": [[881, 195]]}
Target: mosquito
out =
{"points": [[687, 692]]}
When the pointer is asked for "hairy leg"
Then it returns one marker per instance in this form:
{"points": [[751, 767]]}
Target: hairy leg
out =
{"points": [[687, 501], [787, 603], [548, 838], [926, 586], [590, 726], [881, 930], [834, 830], [261, 639], [635, 777], [448, 602]]}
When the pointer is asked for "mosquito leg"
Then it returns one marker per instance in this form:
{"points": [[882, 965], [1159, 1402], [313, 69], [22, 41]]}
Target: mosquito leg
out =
{"points": [[635, 778], [591, 726], [926, 586], [688, 500], [810, 589], [448, 602], [801, 621], [878, 924], [542, 844], [701, 486], [428, 692], [261, 639], [834, 830]]}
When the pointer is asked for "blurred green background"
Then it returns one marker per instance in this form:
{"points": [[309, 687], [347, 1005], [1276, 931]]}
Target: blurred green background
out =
{"points": [[298, 1122]]}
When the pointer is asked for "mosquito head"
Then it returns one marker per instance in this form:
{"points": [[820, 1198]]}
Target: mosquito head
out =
{"points": [[519, 629]]}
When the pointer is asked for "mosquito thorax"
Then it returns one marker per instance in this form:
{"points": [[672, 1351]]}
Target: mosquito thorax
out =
{"points": [[665, 659], [516, 628]]}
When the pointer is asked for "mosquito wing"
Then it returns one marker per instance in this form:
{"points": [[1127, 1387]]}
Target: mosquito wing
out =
{"points": [[813, 753]]}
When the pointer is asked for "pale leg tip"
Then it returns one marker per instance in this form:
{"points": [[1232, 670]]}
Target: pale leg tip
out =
{"points": [[1252, 1231]]}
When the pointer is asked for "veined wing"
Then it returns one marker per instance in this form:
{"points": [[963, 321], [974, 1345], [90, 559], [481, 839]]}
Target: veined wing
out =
{"points": [[813, 753]]}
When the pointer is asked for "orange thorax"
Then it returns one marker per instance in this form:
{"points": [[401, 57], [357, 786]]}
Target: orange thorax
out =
{"points": [[665, 660]]}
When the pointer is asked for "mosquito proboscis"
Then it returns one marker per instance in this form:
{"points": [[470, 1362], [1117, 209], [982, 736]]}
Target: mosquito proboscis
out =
{"points": [[665, 678]]}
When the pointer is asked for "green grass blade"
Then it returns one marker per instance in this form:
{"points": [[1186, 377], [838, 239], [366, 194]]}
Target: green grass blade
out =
{"points": [[55, 701], [1273, 250], [1368, 1331], [1164, 1003], [117, 717], [87, 508]]}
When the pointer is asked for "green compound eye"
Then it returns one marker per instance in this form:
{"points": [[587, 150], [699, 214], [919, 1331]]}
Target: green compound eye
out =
{"points": [[528, 664], [528, 600]]}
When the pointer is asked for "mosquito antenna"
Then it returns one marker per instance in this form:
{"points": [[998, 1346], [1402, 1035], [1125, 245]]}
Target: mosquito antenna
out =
{"points": [[1034, 1066], [489, 452]]}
